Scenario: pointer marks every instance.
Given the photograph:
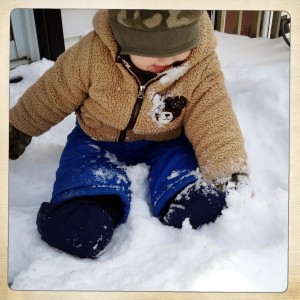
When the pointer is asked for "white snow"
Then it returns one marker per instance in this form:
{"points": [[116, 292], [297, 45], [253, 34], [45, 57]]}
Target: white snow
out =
{"points": [[173, 74], [244, 250]]}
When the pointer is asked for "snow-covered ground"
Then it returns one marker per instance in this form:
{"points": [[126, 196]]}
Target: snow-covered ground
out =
{"points": [[244, 250]]}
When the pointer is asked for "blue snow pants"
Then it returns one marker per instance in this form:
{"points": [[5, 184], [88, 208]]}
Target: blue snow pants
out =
{"points": [[88, 167]]}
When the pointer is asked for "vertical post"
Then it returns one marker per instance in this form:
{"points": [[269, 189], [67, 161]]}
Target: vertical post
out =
{"points": [[49, 32], [265, 24], [240, 18]]}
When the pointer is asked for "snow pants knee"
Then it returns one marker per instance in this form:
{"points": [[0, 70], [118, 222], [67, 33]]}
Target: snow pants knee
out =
{"points": [[89, 167]]}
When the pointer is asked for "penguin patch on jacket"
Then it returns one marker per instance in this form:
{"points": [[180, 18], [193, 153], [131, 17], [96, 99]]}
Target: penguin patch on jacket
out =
{"points": [[167, 108]]}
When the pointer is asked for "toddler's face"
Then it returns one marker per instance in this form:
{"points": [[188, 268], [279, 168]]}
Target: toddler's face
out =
{"points": [[157, 65]]}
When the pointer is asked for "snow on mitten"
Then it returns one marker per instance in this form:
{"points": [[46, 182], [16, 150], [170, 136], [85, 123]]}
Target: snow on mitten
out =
{"points": [[239, 182], [18, 141], [200, 203]]}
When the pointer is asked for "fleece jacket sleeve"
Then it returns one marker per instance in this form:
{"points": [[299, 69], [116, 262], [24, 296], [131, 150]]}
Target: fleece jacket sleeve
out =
{"points": [[212, 127], [59, 92]]}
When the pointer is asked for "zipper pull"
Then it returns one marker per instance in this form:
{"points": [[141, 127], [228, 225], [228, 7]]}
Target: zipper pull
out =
{"points": [[141, 93]]}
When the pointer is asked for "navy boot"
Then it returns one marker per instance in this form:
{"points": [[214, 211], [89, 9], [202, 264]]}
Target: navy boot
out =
{"points": [[82, 226], [201, 205]]}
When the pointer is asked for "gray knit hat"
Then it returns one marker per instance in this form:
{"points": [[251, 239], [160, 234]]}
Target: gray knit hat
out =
{"points": [[155, 33]]}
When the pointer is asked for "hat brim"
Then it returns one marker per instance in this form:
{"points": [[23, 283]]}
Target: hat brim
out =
{"points": [[156, 44]]}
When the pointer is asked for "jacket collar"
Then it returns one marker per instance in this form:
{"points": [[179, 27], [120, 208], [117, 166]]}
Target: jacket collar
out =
{"points": [[143, 76]]}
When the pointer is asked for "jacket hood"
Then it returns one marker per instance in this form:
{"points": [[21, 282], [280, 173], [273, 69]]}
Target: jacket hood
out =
{"points": [[207, 44], [103, 30]]}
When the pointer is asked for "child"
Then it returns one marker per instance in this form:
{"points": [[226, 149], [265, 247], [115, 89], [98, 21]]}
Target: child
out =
{"points": [[146, 87]]}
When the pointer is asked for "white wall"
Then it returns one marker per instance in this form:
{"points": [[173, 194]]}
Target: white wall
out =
{"points": [[25, 43], [76, 23]]}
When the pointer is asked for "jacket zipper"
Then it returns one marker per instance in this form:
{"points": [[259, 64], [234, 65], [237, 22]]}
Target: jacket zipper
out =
{"points": [[137, 107], [138, 103], [134, 114]]}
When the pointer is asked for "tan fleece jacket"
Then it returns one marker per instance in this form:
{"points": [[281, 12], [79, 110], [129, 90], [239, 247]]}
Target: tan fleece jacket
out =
{"points": [[191, 97]]}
